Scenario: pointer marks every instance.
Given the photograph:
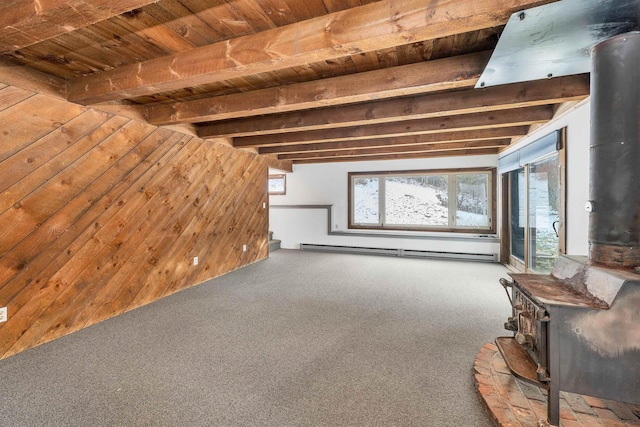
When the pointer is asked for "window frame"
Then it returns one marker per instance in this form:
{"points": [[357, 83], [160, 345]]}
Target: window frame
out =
{"points": [[381, 175], [277, 176]]}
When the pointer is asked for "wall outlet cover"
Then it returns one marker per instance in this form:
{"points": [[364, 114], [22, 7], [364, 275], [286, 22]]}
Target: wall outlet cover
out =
{"points": [[195, 260], [3, 314]]}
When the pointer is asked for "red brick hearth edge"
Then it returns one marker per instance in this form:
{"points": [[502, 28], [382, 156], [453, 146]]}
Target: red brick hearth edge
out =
{"points": [[512, 402]]}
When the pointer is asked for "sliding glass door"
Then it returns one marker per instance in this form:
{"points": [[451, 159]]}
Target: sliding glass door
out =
{"points": [[544, 220], [518, 206], [535, 200]]}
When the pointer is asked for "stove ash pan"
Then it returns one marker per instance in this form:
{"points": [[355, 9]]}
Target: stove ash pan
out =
{"points": [[565, 338]]}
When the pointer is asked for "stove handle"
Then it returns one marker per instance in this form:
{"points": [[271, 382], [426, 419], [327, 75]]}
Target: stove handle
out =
{"points": [[507, 284]]}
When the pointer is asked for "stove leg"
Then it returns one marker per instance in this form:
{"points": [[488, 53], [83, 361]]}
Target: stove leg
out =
{"points": [[553, 405]]}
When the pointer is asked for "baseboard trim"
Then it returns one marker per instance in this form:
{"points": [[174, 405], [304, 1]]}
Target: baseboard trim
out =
{"points": [[460, 256]]}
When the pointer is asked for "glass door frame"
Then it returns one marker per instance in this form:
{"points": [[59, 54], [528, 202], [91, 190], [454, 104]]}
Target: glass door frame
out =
{"points": [[506, 256]]}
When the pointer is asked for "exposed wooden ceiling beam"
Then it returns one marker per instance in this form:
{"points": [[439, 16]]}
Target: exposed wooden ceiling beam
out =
{"points": [[418, 148], [378, 25], [33, 80], [402, 156], [554, 91], [27, 22], [506, 118], [282, 165], [434, 138], [431, 76]]}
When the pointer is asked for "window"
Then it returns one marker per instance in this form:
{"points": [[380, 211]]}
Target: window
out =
{"points": [[535, 214], [533, 200], [443, 200], [278, 184]]}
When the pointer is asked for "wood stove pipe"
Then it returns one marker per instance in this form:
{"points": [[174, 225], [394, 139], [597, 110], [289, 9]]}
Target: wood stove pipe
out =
{"points": [[614, 177]]}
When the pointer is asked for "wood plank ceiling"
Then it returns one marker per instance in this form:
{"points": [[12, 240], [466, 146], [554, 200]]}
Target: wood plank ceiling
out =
{"points": [[306, 80]]}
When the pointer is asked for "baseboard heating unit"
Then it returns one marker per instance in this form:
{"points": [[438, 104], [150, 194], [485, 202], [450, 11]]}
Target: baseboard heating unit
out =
{"points": [[462, 256]]}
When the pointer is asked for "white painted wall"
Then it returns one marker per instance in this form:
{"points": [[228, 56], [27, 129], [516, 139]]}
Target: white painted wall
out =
{"points": [[327, 184], [577, 120]]}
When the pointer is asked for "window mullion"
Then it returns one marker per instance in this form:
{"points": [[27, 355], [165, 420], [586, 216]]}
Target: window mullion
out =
{"points": [[382, 189], [452, 196]]}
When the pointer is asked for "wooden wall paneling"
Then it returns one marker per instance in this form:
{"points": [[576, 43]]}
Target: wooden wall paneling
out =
{"points": [[30, 212], [63, 243], [10, 95], [169, 232], [32, 306], [85, 229], [52, 166], [51, 231], [233, 214], [221, 216], [27, 160], [111, 257], [107, 207], [191, 226], [164, 249], [257, 216], [73, 229], [201, 245], [31, 119], [253, 190], [229, 190]]}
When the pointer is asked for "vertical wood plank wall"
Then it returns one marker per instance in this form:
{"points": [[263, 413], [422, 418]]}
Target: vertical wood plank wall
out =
{"points": [[100, 214]]}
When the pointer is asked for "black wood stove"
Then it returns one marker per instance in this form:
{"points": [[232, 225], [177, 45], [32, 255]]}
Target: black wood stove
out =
{"points": [[578, 329]]}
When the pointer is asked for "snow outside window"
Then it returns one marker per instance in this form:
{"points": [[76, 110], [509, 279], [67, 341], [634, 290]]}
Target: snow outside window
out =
{"points": [[460, 200], [277, 184]]}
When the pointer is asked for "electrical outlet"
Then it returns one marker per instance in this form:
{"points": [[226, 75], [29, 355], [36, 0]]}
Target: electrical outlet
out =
{"points": [[195, 260], [3, 314], [264, 205], [244, 248]]}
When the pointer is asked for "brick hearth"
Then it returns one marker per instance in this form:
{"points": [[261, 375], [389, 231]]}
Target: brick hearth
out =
{"points": [[512, 402]]}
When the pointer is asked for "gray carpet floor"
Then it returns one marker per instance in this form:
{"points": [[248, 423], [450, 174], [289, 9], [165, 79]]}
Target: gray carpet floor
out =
{"points": [[300, 339]]}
